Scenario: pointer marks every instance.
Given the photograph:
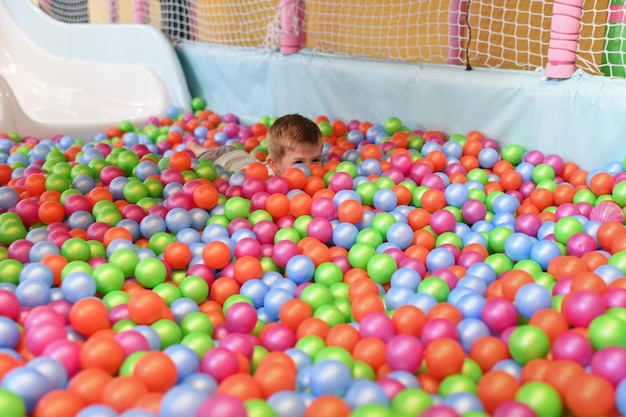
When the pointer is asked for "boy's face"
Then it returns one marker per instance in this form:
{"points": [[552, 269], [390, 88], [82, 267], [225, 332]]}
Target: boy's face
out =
{"points": [[301, 154]]}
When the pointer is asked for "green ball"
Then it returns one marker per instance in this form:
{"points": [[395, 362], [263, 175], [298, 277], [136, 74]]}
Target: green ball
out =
{"points": [[457, 383], [347, 167], [126, 126], [619, 312], [618, 260], [381, 267], [301, 223], [169, 332], [126, 260], [150, 272], [196, 322], [472, 370], [110, 216], [11, 404], [370, 236], [258, 353], [499, 262], [543, 172], [287, 233], [345, 307], [135, 190], [529, 266], [382, 222], [513, 154], [566, 227], [10, 270], [327, 274], [237, 208], [607, 330], [335, 353], [310, 344], [384, 182], [159, 241], [393, 125], [219, 219], [124, 325], [154, 187], [58, 182], [363, 370], [372, 410], [478, 174], [366, 191], [259, 408], [326, 128], [497, 238], [195, 288], [359, 255], [330, 314], [268, 264], [435, 287], [115, 298], [76, 266], [585, 196], [619, 193], [413, 401], [168, 292], [339, 290], [198, 104], [199, 342], [416, 142], [127, 161], [128, 366], [259, 215], [528, 342], [12, 231], [542, 398], [316, 295], [108, 278]]}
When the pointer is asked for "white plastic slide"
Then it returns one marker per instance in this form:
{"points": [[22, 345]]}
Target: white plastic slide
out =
{"points": [[81, 79]]}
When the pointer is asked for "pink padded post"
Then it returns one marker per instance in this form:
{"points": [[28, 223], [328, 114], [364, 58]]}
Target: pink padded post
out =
{"points": [[140, 11], [457, 23], [113, 15], [292, 19], [563, 38]]}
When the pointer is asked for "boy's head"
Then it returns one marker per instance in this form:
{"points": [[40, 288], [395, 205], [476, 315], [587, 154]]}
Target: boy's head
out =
{"points": [[293, 139]]}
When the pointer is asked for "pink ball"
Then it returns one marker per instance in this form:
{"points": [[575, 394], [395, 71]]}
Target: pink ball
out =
{"points": [[442, 221], [323, 207], [566, 210], [279, 338], [341, 181], [581, 307], [283, 251], [392, 387], [404, 353], [240, 317], [473, 211], [259, 200], [248, 247], [320, 228], [96, 231], [41, 335], [440, 411], [133, 212], [131, 342], [285, 221], [562, 286], [574, 346], [436, 329], [433, 181], [403, 163], [110, 172], [534, 157], [252, 186], [498, 314], [40, 315], [419, 171], [19, 250], [610, 363], [580, 244], [469, 258], [615, 297], [265, 231], [9, 305], [222, 405], [170, 175], [238, 342], [234, 191], [219, 363], [514, 409], [67, 353], [277, 185], [377, 324], [76, 202], [238, 224]]}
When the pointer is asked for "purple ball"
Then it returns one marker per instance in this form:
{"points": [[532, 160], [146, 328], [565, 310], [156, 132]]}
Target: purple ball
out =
{"points": [[610, 363], [440, 411], [442, 221], [320, 228], [580, 244], [265, 231], [498, 314], [436, 329], [513, 409], [473, 211], [279, 338], [581, 307], [131, 342], [534, 157], [574, 346], [240, 317], [222, 405], [404, 352], [378, 325], [615, 297], [341, 181], [528, 223], [238, 342], [219, 363], [283, 251]]}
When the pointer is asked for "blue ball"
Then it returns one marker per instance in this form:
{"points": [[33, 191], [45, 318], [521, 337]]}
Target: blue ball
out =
{"points": [[546, 228], [531, 298], [474, 283], [287, 404], [422, 301], [345, 195], [188, 236], [33, 293], [36, 271], [456, 194], [620, 397], [482, 271], [331, 377], [116, 187], [181, 401], [285, 284], [80, 219], [470, 330], [439, 258], [42, 249], [177, 219], [385, 200], [344, 235], [509, 366], [543, 252], [151, 335], [204, 383], [464, 402], [83, 183], [609, 273], [54, 372], [370, 166], [471, 305], [151, 225], [255, 290], [97, 410], [518, 246], [183, 306], [9, 333], [456, 294], [213, 231], [400, 234], [397, 296], [453, 148], [28, 383], [78, 285], [185, 359], [487, 157], [406, 277], [274, 300], [525, 169], [406, 378], [363, 392], [299, 357], [300, 269]]}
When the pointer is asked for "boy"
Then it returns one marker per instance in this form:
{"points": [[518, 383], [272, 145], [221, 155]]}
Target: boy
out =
{"points": [[291, 139]]}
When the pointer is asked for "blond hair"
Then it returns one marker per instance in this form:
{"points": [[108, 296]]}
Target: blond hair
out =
{"points": [[290, 131]]}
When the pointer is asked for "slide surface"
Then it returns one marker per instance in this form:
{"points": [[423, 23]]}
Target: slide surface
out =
{"points": [[81, 79]]}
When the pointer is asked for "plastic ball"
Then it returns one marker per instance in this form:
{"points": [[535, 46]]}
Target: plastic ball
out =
{"points": [[330, 377], [527, 343]]}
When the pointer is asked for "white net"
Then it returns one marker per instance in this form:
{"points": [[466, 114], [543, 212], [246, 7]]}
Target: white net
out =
{"points": [[509, 34]]}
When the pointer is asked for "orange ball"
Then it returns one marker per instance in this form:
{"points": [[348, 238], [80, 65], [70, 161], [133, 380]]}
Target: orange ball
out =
{"points": [[293, 312], [59, 403], [408, 319], [561, 373], [216, 254], [495, 388], [272, 379], [327, 406], [445, 311], [433, 200], [350, 211], [156, 370], [487, 351], [444, 357], [513, 280], [88, 315], [256, 170], [242, 386], [102, 353], [89, 384], [177, 255], [145, 307], [246, 268], [312, 326], [590, 396], [370, 350], [343, 335], [534, 371], [122, 392], [551, 322], [365, 304], [277, 205]]}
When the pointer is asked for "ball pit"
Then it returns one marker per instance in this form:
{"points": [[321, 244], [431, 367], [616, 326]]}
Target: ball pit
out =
{"points": [[414, 274]]}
